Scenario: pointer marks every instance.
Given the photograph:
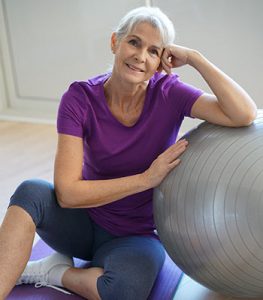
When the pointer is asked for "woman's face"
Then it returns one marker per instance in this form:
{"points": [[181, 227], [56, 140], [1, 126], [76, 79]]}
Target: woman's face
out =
{"points": [[137, 55]]}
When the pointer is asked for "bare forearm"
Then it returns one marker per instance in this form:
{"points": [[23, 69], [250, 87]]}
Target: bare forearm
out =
{"points": [[232, 98], [93, 193]]}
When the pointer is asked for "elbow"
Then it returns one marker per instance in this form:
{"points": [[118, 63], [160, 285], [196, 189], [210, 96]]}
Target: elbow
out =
{"points": [[252, 113], [247, 118], [250, 117], [62, 199], [63, 203]]}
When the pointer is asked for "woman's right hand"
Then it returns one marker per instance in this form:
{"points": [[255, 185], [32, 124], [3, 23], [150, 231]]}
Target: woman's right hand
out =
{"points": [[164, 163]]}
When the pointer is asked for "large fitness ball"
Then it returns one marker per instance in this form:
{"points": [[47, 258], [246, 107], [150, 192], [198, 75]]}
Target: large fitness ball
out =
{"points": [[209, 210]]}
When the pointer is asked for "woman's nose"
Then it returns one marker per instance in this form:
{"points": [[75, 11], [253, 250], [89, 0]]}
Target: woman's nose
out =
{"points": [[141, 55]]}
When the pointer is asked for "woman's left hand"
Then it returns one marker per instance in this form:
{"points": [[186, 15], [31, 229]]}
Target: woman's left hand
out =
{"points": [[229, 105], [174, 56]]}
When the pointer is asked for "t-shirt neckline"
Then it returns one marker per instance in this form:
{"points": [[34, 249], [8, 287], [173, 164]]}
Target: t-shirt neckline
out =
{"points": [[145, 105]]}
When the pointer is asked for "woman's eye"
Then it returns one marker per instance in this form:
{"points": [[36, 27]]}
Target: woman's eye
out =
{"points": [[133, 42], [155, 52]]}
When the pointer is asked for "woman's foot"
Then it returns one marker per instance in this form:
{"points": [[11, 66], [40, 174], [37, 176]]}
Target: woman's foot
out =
{"points": [[47, 271]]}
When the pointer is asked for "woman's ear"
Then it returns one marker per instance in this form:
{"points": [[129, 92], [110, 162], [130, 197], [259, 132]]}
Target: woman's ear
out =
{"points": [[113, 42]]}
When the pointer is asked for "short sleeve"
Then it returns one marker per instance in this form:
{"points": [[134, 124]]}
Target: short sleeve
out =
{"points": [[183, 95], [72, 112]]}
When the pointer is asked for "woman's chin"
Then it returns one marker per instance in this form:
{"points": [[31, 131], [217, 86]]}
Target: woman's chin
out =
{"points": [[135, 77]]}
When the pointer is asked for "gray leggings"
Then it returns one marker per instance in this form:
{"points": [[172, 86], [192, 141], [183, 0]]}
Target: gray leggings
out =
{"points": [[131, 264]]}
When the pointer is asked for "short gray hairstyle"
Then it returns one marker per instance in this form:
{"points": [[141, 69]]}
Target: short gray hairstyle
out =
{"points": [[151, 15]]}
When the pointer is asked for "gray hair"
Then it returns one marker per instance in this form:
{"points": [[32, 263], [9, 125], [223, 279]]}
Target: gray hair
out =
{"points": [[151, 15]]}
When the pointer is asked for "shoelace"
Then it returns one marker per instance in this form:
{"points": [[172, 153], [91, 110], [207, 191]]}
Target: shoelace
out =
{"points": [[42, 284], [32, 278]]}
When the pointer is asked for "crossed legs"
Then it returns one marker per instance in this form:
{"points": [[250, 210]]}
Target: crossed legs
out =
{"points": [[122, 268]]}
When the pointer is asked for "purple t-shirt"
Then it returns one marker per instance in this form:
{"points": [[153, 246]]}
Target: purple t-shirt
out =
{"points": [[113, 150]]}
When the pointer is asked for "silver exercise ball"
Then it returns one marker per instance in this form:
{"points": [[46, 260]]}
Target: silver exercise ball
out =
{"points": [[209, 210]]}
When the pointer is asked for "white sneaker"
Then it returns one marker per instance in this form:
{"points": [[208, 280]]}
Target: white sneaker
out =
{"points": [[37, 272]]}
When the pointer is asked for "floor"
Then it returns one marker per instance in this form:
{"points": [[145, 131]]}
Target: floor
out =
{"points": [[191, 290], [28, 151]]}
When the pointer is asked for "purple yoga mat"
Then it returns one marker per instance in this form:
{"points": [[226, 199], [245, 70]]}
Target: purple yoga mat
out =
{"points": [[164, 287]]}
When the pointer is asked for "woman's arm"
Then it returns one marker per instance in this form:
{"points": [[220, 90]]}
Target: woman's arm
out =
{"points": [[74, 192], [229, 106]]}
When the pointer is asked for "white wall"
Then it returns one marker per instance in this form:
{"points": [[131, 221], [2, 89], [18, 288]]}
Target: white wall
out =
{"points": [[45, 45]]}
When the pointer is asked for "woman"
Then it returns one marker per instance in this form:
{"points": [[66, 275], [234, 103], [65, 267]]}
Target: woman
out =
{"points": [[116, 135]]}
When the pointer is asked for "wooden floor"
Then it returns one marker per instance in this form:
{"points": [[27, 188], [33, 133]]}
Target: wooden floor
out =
{"points": [[28, 151]]}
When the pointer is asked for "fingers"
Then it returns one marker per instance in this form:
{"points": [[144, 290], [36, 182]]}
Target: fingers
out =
{"points": [[174, 56], [166, 61], [175, 163], [178, 144], [167, 68], [164, 163], [175, 150]]}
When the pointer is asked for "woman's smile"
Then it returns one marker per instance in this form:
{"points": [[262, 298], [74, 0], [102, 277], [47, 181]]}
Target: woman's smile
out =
{"points": [[134, 68]]}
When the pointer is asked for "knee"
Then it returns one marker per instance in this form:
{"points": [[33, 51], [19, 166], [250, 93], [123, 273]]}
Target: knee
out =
{"points": [[118, 287], [132, 275], [32, 189], [33, 195]]}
